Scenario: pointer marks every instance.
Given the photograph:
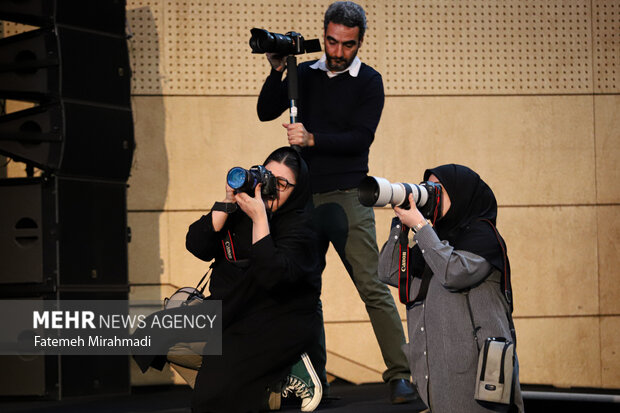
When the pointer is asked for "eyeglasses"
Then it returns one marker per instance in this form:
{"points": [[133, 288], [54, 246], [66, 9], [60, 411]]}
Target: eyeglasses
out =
{"points": [[283, 183]]}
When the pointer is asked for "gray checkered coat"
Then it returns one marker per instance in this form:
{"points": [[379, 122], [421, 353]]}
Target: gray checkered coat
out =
{"points": [[442, 353]]}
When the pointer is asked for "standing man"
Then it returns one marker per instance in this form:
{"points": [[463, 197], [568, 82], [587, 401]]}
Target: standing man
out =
{"points": [[340, 104]]}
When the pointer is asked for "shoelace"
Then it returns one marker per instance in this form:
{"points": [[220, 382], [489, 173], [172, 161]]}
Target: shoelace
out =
{"points": [[300, 388]]}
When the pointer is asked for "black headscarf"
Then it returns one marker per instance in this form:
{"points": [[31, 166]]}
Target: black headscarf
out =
{"points": [[466, 224], [293, 218], [299, 200]]}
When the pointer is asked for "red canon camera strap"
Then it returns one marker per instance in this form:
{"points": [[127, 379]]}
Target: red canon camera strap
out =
{"points": [[437, 205], [403, 265], [229, 247], [404, 280]]}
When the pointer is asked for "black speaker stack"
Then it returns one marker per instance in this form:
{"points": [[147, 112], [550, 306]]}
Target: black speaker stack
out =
{"points": [[64, 234]]}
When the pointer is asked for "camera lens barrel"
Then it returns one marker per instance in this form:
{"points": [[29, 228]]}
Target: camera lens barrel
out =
{"points": [[245, 180], [263, 41], [291, 43], [240, 179], [420, 195]]}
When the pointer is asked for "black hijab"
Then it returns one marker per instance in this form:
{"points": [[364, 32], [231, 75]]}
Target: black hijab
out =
{"points": [[299, 200], [467, 224], [293, 219]]}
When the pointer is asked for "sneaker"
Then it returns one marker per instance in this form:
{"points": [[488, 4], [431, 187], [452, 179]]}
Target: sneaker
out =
{"points": [[304, 383]]}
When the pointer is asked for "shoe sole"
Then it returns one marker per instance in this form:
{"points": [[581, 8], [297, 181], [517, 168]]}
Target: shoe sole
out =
{"points": [[275, 401], [402, 400], [318, 388]]}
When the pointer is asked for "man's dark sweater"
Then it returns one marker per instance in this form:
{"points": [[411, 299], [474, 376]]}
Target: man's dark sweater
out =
{"points": [[341, 112]]}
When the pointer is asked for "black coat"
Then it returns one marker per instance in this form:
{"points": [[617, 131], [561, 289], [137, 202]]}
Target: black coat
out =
{"points": [[269, 312], [269, 292]]}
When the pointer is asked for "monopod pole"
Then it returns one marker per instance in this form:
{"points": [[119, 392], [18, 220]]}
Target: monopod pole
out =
{"points": [[293, 87], [293, 90]]}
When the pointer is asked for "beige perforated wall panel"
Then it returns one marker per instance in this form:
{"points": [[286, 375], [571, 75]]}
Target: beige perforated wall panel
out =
{"points": [[606, 40], [202, 46], [145, 54], [487, 47], [424, 47], [421, 48], [10, 28]]}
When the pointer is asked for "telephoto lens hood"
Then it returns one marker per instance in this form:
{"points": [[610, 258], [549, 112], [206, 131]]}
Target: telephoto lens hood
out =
{"points": [[374, 191]]}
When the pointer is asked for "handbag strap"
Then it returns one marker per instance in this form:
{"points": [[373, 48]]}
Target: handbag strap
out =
{"points": [[471, 317], [506, 284], [201, 290]]}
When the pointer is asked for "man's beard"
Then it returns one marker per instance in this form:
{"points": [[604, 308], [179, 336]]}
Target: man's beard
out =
{"points": [[338, 64]]}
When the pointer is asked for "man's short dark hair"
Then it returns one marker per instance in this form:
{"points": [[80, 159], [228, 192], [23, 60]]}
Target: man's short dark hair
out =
{"points": [[346, 13]]}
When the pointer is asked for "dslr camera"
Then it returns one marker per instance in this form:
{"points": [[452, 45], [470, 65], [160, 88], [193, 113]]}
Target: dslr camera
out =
{"points": [[291, 43], [378, 192], [245, 180]]}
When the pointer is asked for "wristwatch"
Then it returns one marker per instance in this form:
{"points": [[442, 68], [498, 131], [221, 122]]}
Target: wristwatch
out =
{"points": [[420, 225], [228, 207]]}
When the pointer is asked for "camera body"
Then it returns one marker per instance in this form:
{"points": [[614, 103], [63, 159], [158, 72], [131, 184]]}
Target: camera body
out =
{"points": [[378, 192], [245, 180], [291, 43]]}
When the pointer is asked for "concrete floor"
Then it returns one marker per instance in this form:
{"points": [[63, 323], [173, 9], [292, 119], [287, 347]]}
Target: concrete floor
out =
{"points": [[346, 398]]}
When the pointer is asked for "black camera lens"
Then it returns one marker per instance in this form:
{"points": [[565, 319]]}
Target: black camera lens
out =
{"points": [[260, 40], [240, 179], [291, 43], [246, 180], [263, 41]]}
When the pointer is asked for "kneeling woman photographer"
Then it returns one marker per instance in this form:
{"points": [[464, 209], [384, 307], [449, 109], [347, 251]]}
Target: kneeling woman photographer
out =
{"points": [[265, 273], [459, 280]]}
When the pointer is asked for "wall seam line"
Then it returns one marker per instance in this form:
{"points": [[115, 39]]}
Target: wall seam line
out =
{"points": [[596, 210]]}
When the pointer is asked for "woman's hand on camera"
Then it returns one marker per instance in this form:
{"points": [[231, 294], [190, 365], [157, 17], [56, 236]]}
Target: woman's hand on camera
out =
{"points": [[409, 217], [254, 207], [230, 194]]}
